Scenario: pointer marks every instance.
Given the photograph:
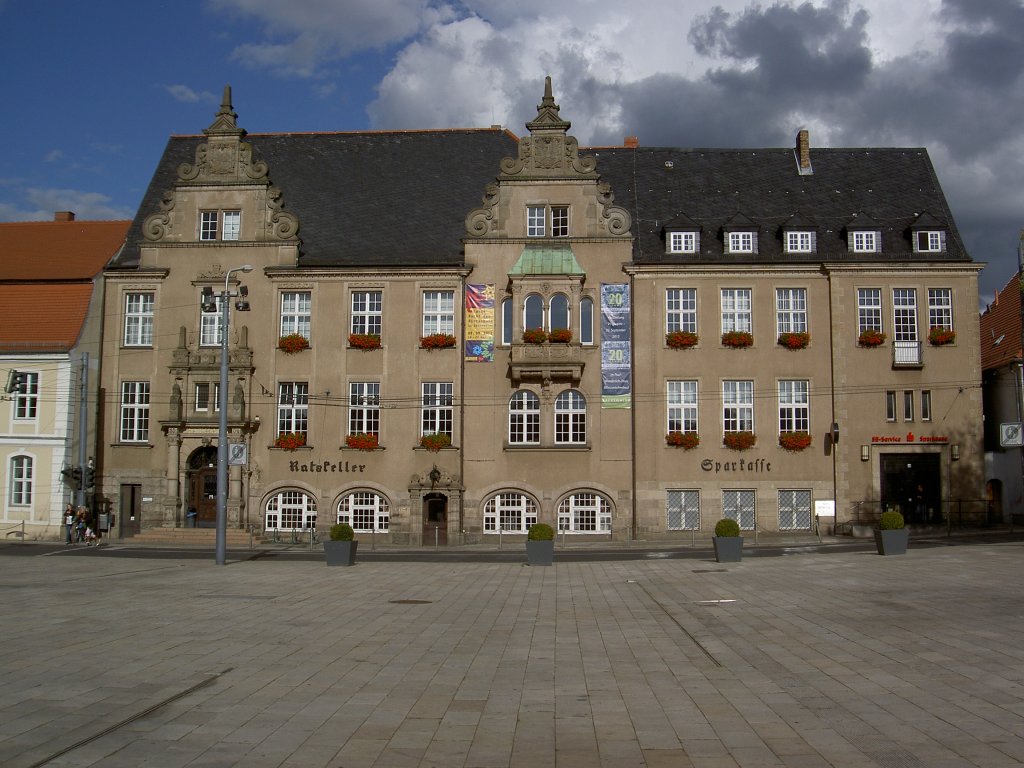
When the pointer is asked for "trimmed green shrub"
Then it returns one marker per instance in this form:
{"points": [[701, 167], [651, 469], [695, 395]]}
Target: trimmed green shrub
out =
{"points": [[541, 532], [727, 527], [891, 521], [342, 532]]}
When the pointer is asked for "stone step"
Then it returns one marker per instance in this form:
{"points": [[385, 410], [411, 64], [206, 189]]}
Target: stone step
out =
{"points": [[192, 536]]}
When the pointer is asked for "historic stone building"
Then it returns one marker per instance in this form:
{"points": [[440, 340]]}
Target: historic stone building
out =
{"points": [[456, 333]]}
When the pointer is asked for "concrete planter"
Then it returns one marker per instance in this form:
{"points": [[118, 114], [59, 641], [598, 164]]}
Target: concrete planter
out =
{"points": [[340, 552], [892, 542], [540, 552], [728, 549]]}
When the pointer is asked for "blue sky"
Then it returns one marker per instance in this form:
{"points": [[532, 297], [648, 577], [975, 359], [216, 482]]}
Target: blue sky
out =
{"points": [[94, 89]]}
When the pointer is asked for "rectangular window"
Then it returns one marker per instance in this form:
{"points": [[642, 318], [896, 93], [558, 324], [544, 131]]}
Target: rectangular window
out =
{"points": [[869, 310], [535, 216], [794, 406], [940, 308], [908, 405], [208, 225], [794, 510], [928, 241], [799, 242], [364, 407], [926, 405], [438, 312], [890, 405], [232, 225], [436, 416], [367, 311], [682, 406], [296, 313], [741, 242], [681, 310], [134, 411], [209, 324], [138, 320], [506, 322], [739, 506], [293, 407], [207, 397], [21, 481], [524, 418], [736, 310], [904, 311], [865, 242], [683, 510], [559, 221], [738, 406], [682, 242], [219, 225], [791, 310], [26, 399]]}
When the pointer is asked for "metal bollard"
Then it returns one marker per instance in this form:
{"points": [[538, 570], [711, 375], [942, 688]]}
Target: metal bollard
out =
{"points": [[435, 537]]}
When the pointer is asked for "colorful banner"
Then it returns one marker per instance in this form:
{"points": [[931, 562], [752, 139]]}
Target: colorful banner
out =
{"points": [[616, 346], [479, 328]]}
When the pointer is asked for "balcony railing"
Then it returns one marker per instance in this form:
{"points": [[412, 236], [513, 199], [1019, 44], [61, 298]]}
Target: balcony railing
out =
{"points": [[906, 354], [546, 362]]}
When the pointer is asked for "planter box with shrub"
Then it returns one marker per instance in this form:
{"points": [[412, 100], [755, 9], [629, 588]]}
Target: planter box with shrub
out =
{"points": [[891, 537], [540, 544], [341, 548], [727, 541]]}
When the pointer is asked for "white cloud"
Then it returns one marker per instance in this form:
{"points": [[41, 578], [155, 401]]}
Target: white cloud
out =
{"points": [[53, 156], [185, 94], [40, 205]]}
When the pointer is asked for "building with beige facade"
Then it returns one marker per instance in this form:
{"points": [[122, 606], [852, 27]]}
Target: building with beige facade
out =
{"points": [[453, 334]]}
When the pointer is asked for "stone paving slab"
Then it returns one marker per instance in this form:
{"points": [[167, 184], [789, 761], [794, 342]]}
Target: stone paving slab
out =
{"points": [[841, 659]]}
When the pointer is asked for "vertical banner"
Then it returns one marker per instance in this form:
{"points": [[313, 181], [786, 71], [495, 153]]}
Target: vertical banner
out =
{"points": [[479, 346], [616, 350]]}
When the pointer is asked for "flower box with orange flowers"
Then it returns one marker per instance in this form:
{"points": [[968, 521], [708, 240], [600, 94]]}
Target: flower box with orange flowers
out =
{"points": [[364, 340], [436, 441], [685, 440], [289, 441], [292, 343], [794, 340], [535, 336], [871, 338], [737, 339], [739, 441], [560, 336], [363, 441], [794, 441], [940, 337], [437, 341], [681, 339]]}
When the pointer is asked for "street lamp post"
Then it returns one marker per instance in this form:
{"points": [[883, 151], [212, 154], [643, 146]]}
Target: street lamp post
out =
{"points": [[222, 437]]}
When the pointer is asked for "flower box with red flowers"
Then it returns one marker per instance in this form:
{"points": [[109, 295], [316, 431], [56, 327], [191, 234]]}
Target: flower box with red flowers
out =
{"points": [[871, 338], [681, 339], [292, 343], [363, 441], [289, 441], [739, 441], [794, 441], [737, 339], [685, 440], [940, 337], [364, 340], [535, 336], [436, 441], [560, 336], [437, 341], [794, 340]]}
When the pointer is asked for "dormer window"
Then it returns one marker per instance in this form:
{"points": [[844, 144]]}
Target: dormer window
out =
{"points": [[929, 241], [682, 242], [540, 217], [864, 241], [741, 242], [219, 225], [799, 241]]}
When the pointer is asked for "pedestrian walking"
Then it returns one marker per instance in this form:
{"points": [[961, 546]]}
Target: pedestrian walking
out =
{"points": [[69, 524], [80, 525]]}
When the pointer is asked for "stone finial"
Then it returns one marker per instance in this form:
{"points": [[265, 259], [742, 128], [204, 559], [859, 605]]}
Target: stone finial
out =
{"points": [[225, 122], [547, 112]]}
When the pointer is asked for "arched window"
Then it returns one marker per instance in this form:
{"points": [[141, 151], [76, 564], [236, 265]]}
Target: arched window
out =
{"points": [[513, 512], [586, 321], [585, 513], [21, 481], [533, 316], [559, 312], [506, 321], [364, 511], [570, 417], [291, 510], [524, 418]]}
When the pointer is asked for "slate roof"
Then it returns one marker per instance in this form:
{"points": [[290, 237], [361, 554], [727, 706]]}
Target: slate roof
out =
{"points": [[1000, 328]]}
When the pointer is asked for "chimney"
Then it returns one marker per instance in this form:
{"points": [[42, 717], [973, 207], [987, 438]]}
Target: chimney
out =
{"points": [[64, 216], [631, 142], [803, 151]]}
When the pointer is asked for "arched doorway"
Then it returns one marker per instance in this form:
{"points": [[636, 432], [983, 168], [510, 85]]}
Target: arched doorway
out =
{"points": [[435, 519], [202, 486]]}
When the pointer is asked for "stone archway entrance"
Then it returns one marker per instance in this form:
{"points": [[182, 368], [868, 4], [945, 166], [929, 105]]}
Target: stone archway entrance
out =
{"points": [[435, 520], [202, 486]]}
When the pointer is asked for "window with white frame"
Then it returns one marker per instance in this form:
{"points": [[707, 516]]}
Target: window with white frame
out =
{"points": [[585, 513], [524, 418], [138, 319], [134, 411], [741, 242], [791, 310], [904, 311], [682, 242], [207, 396], [799, 241], [738, 406], [736, 310], [533, 312], [926, 405], [739, 506], [682, 509], [367, 311], [21, 470], [940, 308], [559, 311], [586, 320], [364, 407], [437, 414], [210, 322], [26, 399], [794, 510], [570, 418], [506, 321], [438, 312], [890, 405], [296, 313], [681, 310], [220, 225], [908, 405], [290, 511], [538, 218], [682, 406], [869, 310], [292, 408], [864, 241], [559, 221], [365, 511], [794, 406], [509, 512], [928, 241]]}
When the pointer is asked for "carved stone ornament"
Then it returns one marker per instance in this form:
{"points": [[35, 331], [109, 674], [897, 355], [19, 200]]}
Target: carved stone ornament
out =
{"points": [[481, 220], [615, 219]]}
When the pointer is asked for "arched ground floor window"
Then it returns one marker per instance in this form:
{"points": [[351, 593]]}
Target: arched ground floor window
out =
{"points": [[290, 510]]}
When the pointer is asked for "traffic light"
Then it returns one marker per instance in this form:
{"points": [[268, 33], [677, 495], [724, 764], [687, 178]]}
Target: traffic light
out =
{"points": [[90, 477], [73, 476], [15, 382]]}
